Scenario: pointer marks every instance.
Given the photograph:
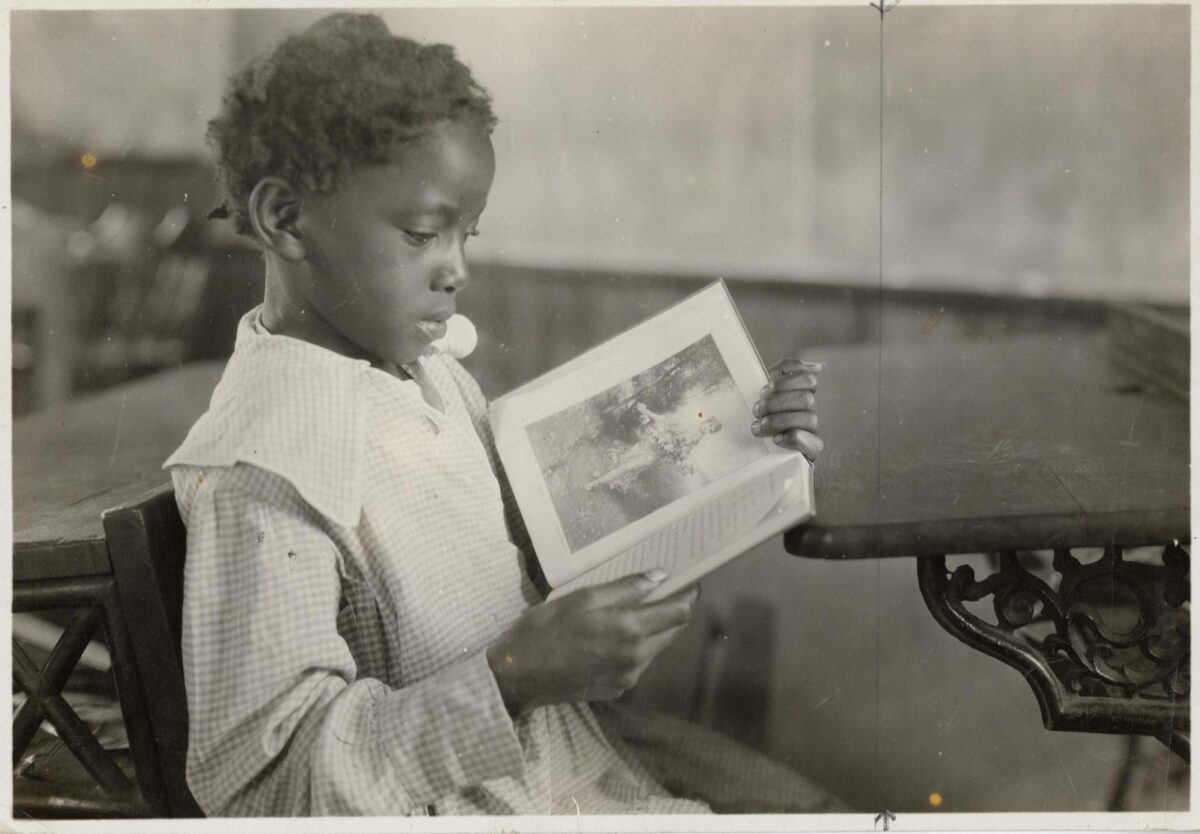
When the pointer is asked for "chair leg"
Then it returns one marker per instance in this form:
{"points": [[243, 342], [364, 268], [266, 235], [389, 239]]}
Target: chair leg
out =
{"points": [[51, 679], [735, 678], [44, 701], [95, 599], [1120, 792], [134, 709]]}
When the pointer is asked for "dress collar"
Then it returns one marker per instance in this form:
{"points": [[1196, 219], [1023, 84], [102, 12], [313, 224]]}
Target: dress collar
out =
{"points": [[292, 408]]}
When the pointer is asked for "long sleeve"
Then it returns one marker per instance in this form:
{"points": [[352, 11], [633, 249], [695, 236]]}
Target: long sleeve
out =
{"points": [[280, 722]]}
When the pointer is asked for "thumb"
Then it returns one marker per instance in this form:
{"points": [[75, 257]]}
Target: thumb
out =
{"points": [[628, 589]]}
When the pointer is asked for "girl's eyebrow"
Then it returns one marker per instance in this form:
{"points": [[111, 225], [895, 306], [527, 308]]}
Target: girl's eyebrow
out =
{"points": [[447, 211]]}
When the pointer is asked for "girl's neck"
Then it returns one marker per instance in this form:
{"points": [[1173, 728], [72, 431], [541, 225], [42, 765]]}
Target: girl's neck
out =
{"points": [[284, 313]]}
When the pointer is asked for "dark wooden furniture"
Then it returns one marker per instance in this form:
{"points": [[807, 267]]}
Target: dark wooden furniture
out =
{"points": [[94, 604], [147, 544], [1031, 449], [71, 462]]}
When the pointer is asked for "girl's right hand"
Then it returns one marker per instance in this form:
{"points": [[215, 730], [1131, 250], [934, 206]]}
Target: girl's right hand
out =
{"points": [[589, 645]]}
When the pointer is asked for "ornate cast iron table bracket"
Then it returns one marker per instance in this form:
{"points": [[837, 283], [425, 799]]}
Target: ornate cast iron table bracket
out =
{"points": [[1105, 644]]}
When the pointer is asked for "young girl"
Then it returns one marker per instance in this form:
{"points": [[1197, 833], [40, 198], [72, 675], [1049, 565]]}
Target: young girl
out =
{"points": [[360, 634]]}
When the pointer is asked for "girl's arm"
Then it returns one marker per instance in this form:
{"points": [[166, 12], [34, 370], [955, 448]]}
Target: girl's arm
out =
{"points": [[280, 722]]}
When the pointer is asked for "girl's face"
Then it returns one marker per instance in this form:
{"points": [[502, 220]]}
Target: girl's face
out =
{"points": [[385, 250]]}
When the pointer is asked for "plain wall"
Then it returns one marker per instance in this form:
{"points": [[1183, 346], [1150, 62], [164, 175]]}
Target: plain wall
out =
{"points": [[1035, 150]]}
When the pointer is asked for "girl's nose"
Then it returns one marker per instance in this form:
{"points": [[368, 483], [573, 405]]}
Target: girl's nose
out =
{"points": [[454, 275]]}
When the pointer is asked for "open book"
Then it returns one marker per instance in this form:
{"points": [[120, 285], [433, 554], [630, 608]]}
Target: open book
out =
{"points": [[638, 453]]}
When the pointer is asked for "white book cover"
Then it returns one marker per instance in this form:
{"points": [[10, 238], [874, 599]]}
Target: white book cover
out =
{"points": [[638, 453]]}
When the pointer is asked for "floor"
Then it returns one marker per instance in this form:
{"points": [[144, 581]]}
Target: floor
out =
{"points": [[869, 696]]}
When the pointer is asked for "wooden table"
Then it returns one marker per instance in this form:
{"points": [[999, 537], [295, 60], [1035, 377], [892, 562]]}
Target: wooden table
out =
{"points": [[71, 462], [1009, 448]]}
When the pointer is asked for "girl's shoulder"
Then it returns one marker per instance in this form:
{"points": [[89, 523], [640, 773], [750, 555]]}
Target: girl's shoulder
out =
{"points": [[299, 419], [253, 490]]}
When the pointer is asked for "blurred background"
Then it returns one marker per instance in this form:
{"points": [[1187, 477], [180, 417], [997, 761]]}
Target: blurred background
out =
{"points": [[1028, 168]]}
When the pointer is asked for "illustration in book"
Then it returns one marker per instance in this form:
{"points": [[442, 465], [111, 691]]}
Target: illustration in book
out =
{"points": [[638, 453]]}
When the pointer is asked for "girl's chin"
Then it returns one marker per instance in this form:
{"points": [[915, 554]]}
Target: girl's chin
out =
{"points": [[419, 343], [433, 330]]}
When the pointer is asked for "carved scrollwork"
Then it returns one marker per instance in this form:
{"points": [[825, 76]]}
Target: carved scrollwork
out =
{"points": [[1105, 644]]}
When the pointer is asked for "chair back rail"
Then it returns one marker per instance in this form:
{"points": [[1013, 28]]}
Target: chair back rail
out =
{"points": [[147, 544]]}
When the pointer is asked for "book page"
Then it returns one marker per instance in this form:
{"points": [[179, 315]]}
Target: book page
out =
{"points": [[635, 434], [694, 538]]}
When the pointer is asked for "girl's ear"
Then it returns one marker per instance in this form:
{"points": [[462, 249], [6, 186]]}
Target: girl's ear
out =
{"points": [[274, 209]]}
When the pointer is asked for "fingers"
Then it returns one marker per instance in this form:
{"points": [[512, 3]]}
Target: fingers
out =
{"points": [[630, 663], [630, 618], [588, 645], [623, 591], [790, 367], [802, 381], [673, 612], [786, 421], [793, 375], [787, 401], [804, 442], [651, 647], [785, 410]]}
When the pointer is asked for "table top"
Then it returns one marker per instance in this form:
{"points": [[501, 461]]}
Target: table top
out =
{"points": [[1028, 443], [74, 460]]}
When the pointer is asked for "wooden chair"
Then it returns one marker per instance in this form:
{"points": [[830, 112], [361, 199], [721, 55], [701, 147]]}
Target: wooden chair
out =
{"points": [[146, 546]]}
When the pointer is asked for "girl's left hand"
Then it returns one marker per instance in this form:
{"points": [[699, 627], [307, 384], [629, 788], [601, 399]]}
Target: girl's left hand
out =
{"points": [[787, 407]]}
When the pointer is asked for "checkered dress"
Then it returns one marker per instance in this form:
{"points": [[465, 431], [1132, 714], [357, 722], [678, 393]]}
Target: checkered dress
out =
{"points": [[350, 558]]}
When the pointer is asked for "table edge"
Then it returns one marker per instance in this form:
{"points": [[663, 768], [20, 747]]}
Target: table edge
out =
{"points": [[1045, 532]]}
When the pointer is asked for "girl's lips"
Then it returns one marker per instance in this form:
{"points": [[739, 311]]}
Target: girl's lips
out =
{"points": [[433, 329]]}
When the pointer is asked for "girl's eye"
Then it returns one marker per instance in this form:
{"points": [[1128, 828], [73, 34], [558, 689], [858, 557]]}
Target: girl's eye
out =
{"points": [[419, 238]]}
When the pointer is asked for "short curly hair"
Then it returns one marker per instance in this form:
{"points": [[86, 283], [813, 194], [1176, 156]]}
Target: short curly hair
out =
{"points": [[342, 94]]}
